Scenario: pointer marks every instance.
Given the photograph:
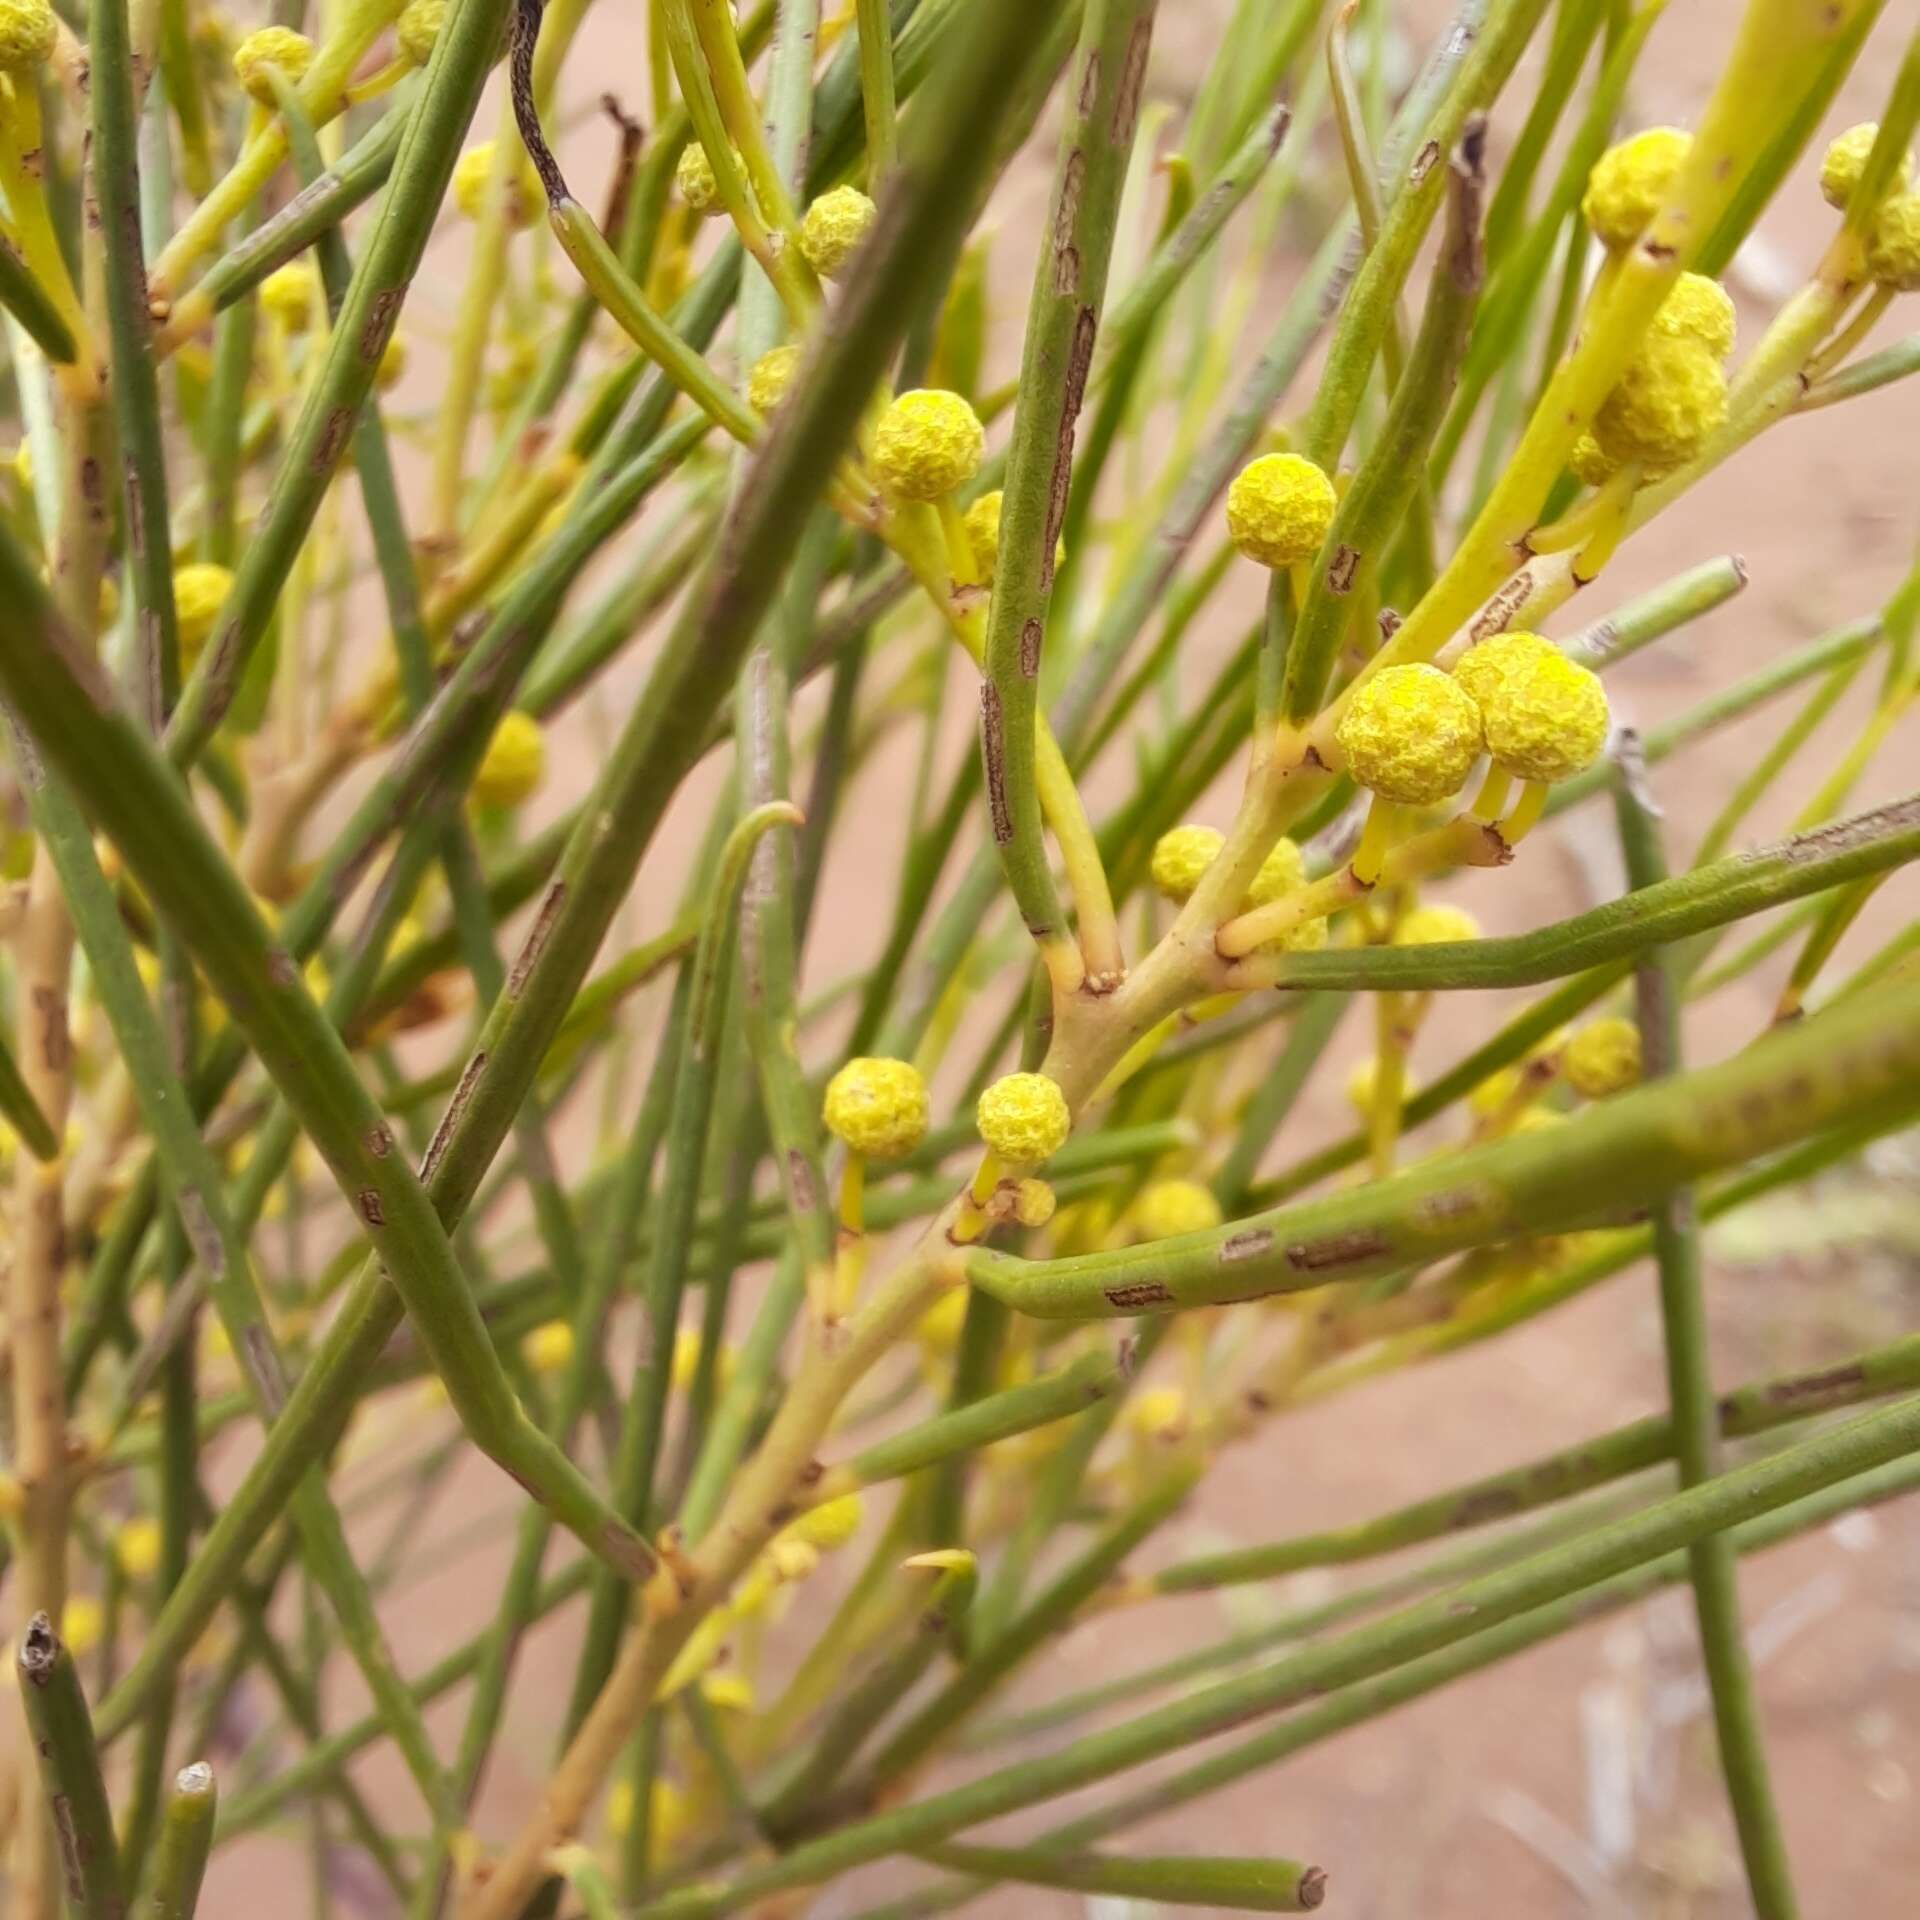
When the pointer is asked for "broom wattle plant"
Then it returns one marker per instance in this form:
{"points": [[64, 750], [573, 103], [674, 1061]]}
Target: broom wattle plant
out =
{"points": [[370, 1116]]}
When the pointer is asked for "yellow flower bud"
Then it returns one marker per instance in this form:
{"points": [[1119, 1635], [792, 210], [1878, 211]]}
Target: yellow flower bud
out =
{"points": [[1589, 462], [549, 1348], [877, 1106], [200, 590], [418, 28], [1181, 856], [1033, 1202], [514, 761], [669, 1816], [1410, 734], [1546, 720], [833, 227], [1700, 310], [730, 1691], [791, 1559], [268, 47], [1158, 1413], [1435, 925], [82, 1622], [1493, 1093], [1024, 1118], [928, 443], [831, 1524], [1629, 181], [1282, 872], [136, 1547], [1846, 160], [693, 175], [1487, 662], [1672, 395], [1279, 508], [1893, 248], [982, 521], [1603, 1057], [770, 376], [1167, 1208], [291, 293], [474, 169]]}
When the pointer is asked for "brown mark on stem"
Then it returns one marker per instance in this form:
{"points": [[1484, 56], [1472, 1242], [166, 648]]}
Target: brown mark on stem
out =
{"points": [[1246, 1245], [1498, 611], [1343, 569], [1800, 1388], [537, 937], [1140, 1293], [1133, 77], [1339, 1250], [1066, 256], [332, 441], [382, 311], [450, 1120], [372, 1210], [1313, 1887], [807, 1197], [1841, 836], [993, 751]]}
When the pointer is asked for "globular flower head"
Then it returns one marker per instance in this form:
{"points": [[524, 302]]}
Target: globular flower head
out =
{"points": [[1410, 734], [1893, 247], [1363, 1085], [200, 590], [928, 442], [137, 1548], [268, 47], [1180, 856], [693, 175], [982, 522], [1846, 159], [418, 28], [471, 173], [1023, 1117], [513, 763], [1435, 925], [770, 376], [1672, 395], [290, 293], [1603, 1057], [1282, 872], [27, 33], [877, 1106], [1546, 720], [1629, 182], [832, 227], [1279, 508], [1590, 463], [1700, 310], [1166, 1208], [82, 1622], [549, 1348], [1034, 1202], [1158, 1413], [1487, 662]]}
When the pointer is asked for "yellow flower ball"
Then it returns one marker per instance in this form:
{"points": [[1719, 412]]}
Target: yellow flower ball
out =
{"points": [[1410, 734], [1034, 1202], [1023, 1118], [1893, 248], [82, 1621], [27, 33], [1629, 182], [1435, 925], [1700, 310], [200, 590], [833, 227], [1546, 720], [1158, 1413], [1166, 1208], [136, 1547], [268, 47], [1846, 159], [291, 293], [831, 1524], [1180, 856], [1488, 662], [939, 1328], [512, 766], [1361, 1083], [1603, 1057], [1279, 508], [1493, 1093], [982, 522], [877, 1106], [393, 362], [1282, 872], [1589, 462], [770, 376], [418, 28], [693, 175], [928, 442], [670, 1816], [549, 1348], [471, 173], [1672, 395]]}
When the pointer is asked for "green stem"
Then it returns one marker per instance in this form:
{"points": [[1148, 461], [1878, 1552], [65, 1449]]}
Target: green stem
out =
{"points": [[1263, 1885], [69, 1763], [186, 1837]]}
